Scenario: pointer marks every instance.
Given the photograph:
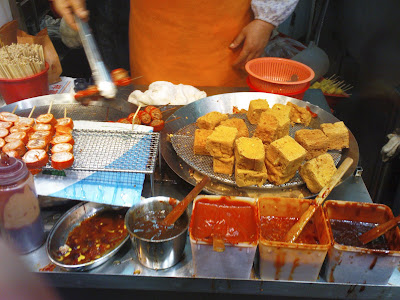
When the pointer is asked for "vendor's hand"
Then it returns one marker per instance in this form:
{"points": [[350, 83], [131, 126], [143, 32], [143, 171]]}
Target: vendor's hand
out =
{"points": [[67, 8], [255, 37]]}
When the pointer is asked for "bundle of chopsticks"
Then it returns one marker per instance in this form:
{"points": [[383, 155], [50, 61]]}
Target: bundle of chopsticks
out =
{"points": [[21, 60]]}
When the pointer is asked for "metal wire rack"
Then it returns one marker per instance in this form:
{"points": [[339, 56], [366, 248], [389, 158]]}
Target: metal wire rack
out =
{"points": [[183, 141], [116, 150]]}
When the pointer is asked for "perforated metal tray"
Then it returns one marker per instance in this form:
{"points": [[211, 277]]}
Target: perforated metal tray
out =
{"points": [[182, 120]]}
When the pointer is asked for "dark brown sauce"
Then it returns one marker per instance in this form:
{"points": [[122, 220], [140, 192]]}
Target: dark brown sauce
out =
{"points": [[149, 226], [95, 237], [346, 233]]}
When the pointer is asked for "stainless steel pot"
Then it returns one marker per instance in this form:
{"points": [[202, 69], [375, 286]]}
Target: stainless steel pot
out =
{"points": [[156, 254]]}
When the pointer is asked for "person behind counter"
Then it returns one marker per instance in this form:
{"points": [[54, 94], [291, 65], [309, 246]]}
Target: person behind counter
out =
{"points": [[201, 43]]}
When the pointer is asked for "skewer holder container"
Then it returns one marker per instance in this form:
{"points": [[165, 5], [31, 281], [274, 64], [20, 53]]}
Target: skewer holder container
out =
{"points": [[291, 261], [236, 260], [13, 90], [352, 264]]}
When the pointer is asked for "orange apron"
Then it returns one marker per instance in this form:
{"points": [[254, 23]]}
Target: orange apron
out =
{"points": [[187, 41]]}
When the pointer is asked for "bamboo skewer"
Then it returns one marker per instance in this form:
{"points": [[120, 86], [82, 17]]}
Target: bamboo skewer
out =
{"points": [[134, 116], [15, 108], [65, 112], [137, 77], [162, 106], [50, 106], [172, 108], [173, 120], [30, 114]]}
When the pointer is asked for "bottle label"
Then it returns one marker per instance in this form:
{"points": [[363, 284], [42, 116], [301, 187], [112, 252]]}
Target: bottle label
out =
{"points": [[22, 209]]}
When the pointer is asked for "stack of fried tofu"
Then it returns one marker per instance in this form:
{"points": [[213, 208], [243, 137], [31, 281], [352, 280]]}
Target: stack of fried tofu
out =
{"points": [[271, 153], [273, 124], [220, 145], [250, 167], [206, 125], [283, 158]]}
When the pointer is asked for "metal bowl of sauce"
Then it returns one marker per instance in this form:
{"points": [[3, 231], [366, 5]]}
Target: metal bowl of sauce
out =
{"points": [[156, 246], [87, 236]]}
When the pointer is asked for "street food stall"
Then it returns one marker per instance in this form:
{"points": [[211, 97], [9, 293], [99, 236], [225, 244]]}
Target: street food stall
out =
{"points": [[171, 170]]}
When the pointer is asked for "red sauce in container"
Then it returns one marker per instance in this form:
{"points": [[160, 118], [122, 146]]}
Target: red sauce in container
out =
{"points": [[275, 229], [233, 221]]}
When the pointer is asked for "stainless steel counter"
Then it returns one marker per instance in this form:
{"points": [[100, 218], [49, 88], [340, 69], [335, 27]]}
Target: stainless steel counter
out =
{"points": [[129, 278]]}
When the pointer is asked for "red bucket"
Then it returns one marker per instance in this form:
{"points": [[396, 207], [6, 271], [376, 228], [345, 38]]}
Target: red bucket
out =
{"points": [[13, 90], [298, 95]]}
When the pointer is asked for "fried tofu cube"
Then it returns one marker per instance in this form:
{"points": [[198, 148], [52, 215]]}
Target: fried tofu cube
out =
{"points": [[273, 125], [239, 124], [200, 138], [249, 154], [256, 107], [286, 152], [283, 158], [299, 115], [267, 128], [317, 172], [223, 165], [287, 110], [338, 135], [313, 140], [245, 177], [221, 141], [277, 175], [211, 120]]}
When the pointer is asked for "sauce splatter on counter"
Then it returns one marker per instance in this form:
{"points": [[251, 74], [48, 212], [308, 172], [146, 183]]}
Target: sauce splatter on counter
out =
{"points": [[48, 268]]}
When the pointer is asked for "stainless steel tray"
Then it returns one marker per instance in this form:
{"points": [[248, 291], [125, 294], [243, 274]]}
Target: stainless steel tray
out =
{"points": [[191, 167], [72, 218]]}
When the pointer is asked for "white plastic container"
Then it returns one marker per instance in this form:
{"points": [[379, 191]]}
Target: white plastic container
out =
{"points": [[236, 260], [349, 264], [291, 261]]}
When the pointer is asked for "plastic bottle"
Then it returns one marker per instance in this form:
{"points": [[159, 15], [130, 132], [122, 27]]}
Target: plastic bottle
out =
{"points": [[20, 220]]}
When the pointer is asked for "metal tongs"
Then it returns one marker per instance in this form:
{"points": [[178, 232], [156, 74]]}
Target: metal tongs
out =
{"points": [[100, 73]]}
